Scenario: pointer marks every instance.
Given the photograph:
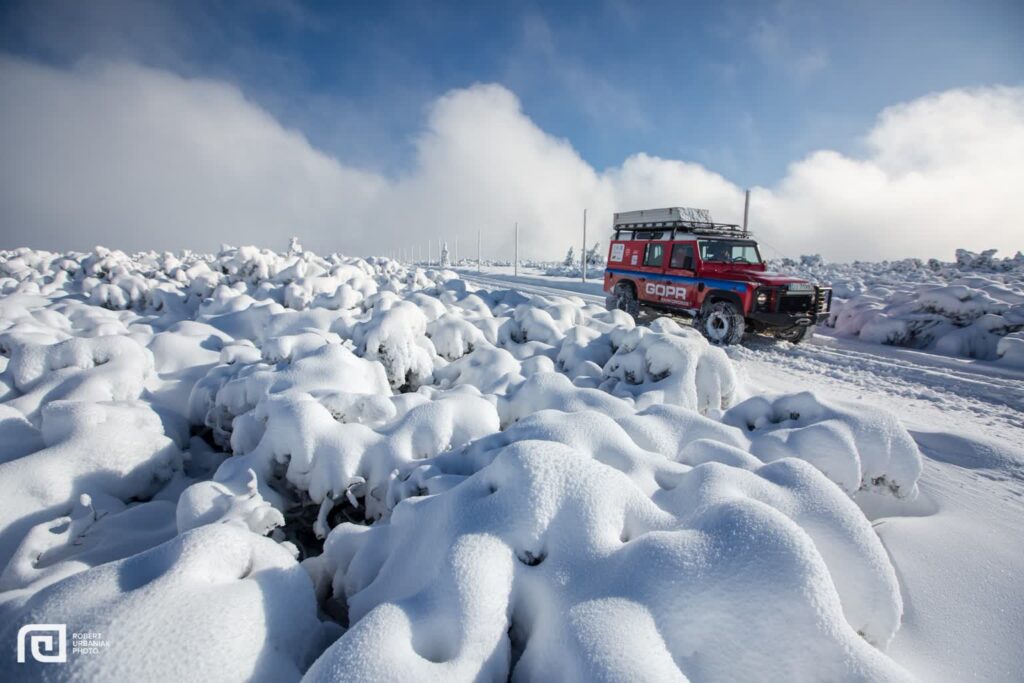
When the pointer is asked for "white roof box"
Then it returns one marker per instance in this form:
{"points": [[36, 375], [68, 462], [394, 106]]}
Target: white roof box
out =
{"points": [[670, 215]]}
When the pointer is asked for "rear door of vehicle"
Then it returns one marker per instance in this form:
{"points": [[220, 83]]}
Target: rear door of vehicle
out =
{"points": [[680, 275], [653, 268]]}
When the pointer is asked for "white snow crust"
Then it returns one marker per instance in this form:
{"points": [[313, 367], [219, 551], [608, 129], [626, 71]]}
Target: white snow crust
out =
{"points": [[255, 465], [972, 307]]}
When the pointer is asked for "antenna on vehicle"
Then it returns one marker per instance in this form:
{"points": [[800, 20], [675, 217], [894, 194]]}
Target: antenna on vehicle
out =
{"points": [[746, 209]]}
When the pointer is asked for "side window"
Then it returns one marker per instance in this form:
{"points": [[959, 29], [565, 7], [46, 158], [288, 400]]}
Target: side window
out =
{"points": [[655, 255], [682, 256]]}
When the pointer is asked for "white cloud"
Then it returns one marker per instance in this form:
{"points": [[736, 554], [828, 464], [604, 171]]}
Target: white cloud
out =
{"points": [[943, 171], [140, 158]]}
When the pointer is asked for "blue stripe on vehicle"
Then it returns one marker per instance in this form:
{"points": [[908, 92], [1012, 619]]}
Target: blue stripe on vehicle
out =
{"points": [[718, 284]]}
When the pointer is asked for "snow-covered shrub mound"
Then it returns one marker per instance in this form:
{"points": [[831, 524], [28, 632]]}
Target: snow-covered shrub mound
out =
{"points": [[860, 449], [397, 337], [964, 308], [956, 319], [1011, 349], [508, 484], [331, 461], [161, 612], [235, 387], [453, 337], [115, 449], [94, 533], [212, 502], [109, 368], [584, 557], [670, 364]]}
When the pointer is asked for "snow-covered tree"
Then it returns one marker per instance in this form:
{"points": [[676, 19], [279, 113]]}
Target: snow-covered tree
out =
{"points": [[570, 258], [594, 255], [446, 261]]}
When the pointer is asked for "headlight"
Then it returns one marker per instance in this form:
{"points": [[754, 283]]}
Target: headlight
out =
{"points": [[762, 298]]}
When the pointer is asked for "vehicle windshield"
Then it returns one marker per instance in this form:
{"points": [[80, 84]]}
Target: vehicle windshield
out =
{"points": [[729, 251]]}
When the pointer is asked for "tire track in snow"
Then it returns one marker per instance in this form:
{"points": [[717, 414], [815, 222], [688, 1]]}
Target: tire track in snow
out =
{"points": [[987, 396], [530, 288]]}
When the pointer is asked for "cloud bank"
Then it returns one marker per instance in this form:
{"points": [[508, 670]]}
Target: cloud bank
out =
{"points": [[138, 158]]}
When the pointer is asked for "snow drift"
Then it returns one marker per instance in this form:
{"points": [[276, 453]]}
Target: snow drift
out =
{"points": [[973, 307], [349, 469]]}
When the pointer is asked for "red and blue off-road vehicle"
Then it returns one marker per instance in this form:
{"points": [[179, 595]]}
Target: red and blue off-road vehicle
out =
{"points": [[678, 261]]}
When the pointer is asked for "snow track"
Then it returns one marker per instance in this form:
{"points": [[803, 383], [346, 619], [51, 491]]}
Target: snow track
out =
{"points": [[589, 292], [995, 395]]}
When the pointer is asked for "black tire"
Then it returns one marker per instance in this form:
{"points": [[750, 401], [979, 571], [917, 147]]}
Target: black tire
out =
{"points": [[795, 334], [623, 298], [721, 323]]}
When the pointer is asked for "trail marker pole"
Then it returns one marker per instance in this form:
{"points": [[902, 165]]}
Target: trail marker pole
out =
{"points": [[515, 268], [584, 257], [478, 251]]}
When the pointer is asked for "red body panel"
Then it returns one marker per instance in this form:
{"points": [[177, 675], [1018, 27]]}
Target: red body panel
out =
{"points": [[661, 285]]}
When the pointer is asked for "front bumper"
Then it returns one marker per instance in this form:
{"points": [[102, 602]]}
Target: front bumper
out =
{"points": [[787, 309], [786, 320]]}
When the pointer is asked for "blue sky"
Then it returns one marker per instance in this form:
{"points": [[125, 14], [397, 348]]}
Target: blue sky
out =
{"points": [[865, 129], [742, 88]]}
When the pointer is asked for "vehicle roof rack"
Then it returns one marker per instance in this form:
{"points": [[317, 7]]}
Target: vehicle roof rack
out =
{"points": [[697, 221], [695, 227]]}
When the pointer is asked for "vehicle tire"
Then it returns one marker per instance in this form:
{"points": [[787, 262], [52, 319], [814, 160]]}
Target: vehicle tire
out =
{"points": [[624, 297], [721, 323], [795, 334]]}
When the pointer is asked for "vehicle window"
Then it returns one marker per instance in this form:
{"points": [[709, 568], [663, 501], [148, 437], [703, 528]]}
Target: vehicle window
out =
{"points": [[682, 257], [655, 255], [729, 251]]}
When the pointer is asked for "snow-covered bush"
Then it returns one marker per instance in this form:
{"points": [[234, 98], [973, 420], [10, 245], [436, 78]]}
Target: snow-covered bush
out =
{"points": [[477, 484], [562, 549], [670, 364], [1011, 349], [964, 308], [862, 449], [218, 587]]}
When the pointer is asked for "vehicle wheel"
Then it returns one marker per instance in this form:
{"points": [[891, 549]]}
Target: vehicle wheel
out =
{"points": [[721, 322], [624, 299], [795, 334]]}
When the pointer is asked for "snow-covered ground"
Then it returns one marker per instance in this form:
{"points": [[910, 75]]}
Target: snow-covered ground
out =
{"points": [[268, 466], [972, 307], [960, 554]]}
